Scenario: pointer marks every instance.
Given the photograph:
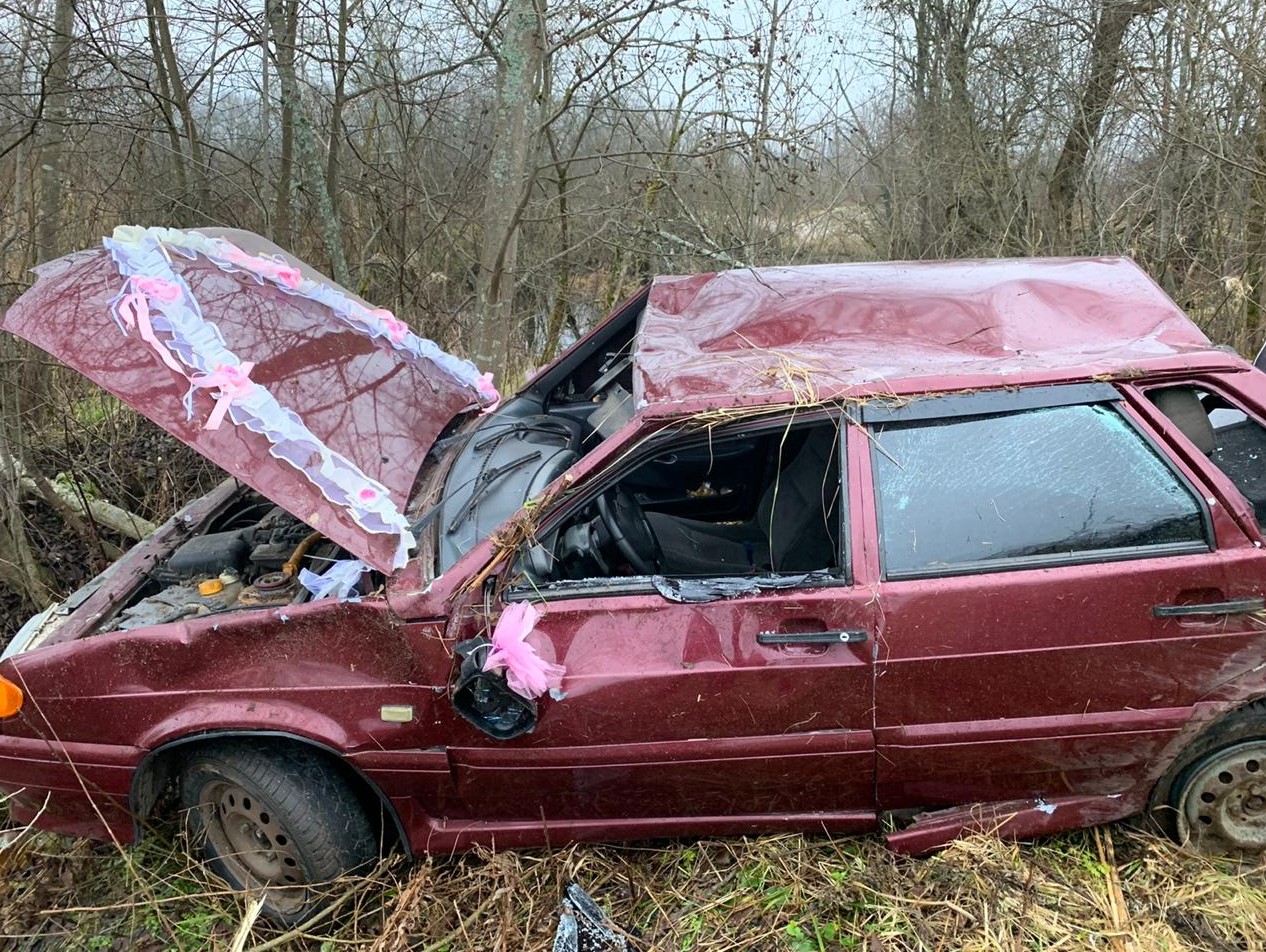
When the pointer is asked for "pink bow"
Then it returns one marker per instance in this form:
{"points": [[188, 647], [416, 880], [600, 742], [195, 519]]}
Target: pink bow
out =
{"points": [[487, 392], [527, 673], [133, 311], [233, 383]]}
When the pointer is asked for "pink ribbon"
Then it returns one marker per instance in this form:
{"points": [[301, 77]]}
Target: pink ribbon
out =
{"points": [[133, 311], [527, 673], [233, 383], [284, 274]]}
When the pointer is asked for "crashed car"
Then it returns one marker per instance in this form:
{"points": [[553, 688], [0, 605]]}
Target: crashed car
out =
{"points": [[919, 547]]}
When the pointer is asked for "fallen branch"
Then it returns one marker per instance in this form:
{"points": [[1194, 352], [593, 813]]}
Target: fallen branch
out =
{"points": [[103, 513]]}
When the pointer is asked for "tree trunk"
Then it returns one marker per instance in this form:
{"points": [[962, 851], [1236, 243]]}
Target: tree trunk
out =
{"points": [[20, 571], [283, 24], [180, 97], [165, 97], [53, 134], [283, 28], [333, 169], [509, 184], [1255, 273], [1115, 17]]}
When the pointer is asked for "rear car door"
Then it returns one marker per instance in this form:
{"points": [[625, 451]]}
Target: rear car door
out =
{"points": [[1058, 593], [737, 699]]}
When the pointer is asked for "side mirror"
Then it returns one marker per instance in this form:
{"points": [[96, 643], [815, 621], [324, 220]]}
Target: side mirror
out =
{"points": [[484, 699]]}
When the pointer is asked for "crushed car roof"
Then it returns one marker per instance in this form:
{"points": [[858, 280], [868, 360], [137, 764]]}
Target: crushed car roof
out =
{"points": [[787, 334]]}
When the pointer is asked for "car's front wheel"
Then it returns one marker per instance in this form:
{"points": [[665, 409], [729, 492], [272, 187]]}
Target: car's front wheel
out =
{"points": [[277, 821]]}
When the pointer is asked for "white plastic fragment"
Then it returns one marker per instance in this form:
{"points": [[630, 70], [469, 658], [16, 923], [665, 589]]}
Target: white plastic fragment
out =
{"points": [[338, 581]]}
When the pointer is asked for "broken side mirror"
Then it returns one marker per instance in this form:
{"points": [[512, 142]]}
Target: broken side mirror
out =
{"points": [[484, 699]]}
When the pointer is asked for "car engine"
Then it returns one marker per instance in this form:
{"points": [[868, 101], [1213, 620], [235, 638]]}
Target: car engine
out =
{"points": [[251, 559]]}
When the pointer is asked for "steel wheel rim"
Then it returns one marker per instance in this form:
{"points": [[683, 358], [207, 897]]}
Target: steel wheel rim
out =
{"points": [[248, 838], [1224, 802]]}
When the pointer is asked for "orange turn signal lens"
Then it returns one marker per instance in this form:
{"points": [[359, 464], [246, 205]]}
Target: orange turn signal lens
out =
{"points": [[10, 698]]}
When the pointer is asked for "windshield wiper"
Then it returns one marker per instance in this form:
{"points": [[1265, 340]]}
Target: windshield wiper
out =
{"points": [[484, 481]]}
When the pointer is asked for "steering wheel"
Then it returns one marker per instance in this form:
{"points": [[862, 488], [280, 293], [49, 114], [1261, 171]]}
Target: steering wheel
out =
{"points": [[629, 529]]}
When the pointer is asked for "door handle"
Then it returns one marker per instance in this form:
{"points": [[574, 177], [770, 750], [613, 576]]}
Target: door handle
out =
{"points": [[810, 637], [1237, 606]]}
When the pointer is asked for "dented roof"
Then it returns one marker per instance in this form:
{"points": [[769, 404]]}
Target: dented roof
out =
{"points": [[775, 334]]}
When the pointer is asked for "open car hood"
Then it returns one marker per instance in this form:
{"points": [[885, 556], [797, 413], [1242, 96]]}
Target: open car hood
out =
{"points": [[347, 401]]}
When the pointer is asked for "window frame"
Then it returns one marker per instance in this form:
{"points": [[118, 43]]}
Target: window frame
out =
{"points": [[672, 439], [1234, 500], [1006, 402]]}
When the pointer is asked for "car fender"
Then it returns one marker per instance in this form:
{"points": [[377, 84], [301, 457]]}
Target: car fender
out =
{"points": [[247, 715]]}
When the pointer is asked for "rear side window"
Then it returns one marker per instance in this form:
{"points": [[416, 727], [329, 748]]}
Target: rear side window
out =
{"points": [[1045, 486]]}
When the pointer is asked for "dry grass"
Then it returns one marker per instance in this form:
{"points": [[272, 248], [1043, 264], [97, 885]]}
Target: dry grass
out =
{"points": [[1114, 888]]}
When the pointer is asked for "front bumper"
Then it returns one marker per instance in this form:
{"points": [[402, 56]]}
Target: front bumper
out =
{"points": [[76, 789]]}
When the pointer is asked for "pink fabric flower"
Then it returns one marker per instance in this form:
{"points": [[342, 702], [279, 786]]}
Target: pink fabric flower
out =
{"points": [[487, 392], [527, 673], [233, 383]]}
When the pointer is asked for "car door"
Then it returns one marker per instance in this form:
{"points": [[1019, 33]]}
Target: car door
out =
{"points": [[1057, 593], [737, 700]]}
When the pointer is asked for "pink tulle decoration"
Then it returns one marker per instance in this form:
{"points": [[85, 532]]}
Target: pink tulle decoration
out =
{"points": [[527, 673], [233, 383]]}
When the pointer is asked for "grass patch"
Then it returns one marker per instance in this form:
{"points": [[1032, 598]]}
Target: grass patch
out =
{"points": [[1114, 888]]}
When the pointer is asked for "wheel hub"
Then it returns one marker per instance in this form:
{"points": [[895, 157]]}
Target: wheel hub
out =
{"points": [[1224, 804], [248, 839]]}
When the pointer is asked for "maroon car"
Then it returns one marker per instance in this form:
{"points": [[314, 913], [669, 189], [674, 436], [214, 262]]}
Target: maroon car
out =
{"points": [[936, 546]]}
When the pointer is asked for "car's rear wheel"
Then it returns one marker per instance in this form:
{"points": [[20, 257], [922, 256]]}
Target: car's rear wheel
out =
{"points": [[1214, 798], [281, 822], [1221, 800]]}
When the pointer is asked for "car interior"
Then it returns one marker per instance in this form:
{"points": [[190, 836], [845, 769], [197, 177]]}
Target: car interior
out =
{"points": [[1233, 440], [764, 498]]}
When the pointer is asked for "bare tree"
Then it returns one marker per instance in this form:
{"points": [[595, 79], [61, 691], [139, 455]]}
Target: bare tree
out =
{"points": [[1102, 74]]}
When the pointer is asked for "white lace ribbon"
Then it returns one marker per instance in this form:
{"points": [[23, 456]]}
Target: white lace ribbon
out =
{"points": [[155, 299]]}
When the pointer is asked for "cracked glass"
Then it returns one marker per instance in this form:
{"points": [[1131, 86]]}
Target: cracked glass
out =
{"points": [[1060, 483]]}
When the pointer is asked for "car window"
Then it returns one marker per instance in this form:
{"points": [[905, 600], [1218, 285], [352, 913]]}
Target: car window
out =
{"points": [[1056, 484], [1232, 439], [763, 500]]}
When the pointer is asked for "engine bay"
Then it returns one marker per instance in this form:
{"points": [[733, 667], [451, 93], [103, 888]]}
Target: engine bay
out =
{"points": [[251, 556]]}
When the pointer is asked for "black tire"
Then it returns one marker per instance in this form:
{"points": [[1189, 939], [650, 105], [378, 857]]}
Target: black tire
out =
{"points": [[1214, 797], [280, 821]]}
